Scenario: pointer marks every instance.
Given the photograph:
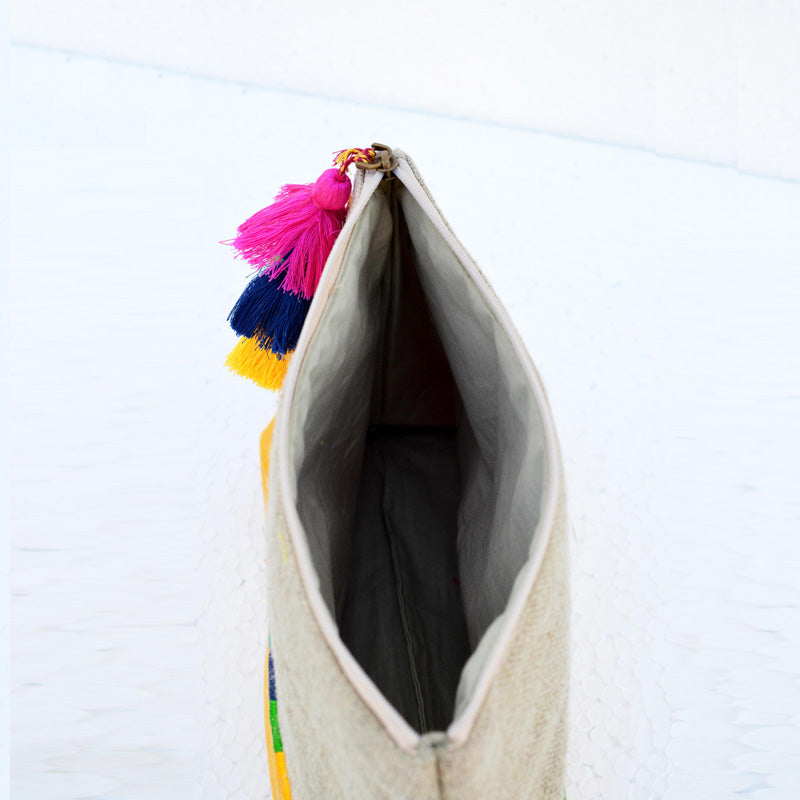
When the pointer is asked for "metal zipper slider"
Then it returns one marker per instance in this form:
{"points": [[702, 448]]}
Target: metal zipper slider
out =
{"points": [[384, 160]]}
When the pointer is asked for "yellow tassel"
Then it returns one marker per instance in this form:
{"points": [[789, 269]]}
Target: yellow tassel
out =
{"points": [[261, 366]]}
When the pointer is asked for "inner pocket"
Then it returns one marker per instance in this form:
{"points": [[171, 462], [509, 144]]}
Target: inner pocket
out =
{"points": [[402, 617]]}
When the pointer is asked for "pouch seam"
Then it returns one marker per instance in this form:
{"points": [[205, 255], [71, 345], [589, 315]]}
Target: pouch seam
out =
{"points": [[412, 664]]}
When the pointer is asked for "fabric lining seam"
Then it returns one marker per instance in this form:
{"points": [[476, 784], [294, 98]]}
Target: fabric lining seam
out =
{"points": [[412, 664]]}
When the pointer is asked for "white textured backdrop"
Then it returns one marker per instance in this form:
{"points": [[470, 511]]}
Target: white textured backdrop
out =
{"points": [[716, 80], [658, 298]]}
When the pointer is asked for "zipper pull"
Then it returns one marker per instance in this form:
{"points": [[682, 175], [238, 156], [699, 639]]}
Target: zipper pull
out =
{"points": [[384, 160]]}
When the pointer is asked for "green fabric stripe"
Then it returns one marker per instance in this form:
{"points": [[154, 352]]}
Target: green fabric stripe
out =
{"points": [[277, 744]]}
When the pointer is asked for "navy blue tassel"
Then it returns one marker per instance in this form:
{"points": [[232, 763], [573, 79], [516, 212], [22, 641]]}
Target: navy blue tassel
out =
{"points": [[269, 314]]}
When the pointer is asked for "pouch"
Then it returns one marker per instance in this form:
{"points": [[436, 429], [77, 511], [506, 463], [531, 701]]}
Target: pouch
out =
{"points": [[416, 526]]}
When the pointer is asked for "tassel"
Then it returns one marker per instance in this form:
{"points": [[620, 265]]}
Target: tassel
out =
{"points": [[261, 366], [268, 313], [288, 243], [294, 236]]}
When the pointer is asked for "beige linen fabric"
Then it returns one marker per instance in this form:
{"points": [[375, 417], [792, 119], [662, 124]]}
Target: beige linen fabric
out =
{"points": [[339, 743]]}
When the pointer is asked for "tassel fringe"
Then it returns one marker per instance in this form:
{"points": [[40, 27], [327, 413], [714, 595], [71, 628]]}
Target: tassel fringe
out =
{"points": [[288, 243], [268, 313], [261, 366], [293, 237]]}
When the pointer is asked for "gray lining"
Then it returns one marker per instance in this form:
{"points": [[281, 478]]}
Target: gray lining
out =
{"points": [[387, 355]]}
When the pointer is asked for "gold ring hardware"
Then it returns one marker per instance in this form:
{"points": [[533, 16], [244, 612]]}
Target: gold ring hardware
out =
{"points": [[384, 160]]}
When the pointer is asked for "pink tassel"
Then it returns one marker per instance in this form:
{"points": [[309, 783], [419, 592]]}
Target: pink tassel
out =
{"points": [[294, 236]]}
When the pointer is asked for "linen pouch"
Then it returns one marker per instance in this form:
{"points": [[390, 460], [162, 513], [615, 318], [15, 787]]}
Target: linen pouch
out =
{"points": [[416, 527]]}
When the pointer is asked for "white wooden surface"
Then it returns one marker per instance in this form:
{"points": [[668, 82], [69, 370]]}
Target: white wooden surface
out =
{"points": [[658, 298]]}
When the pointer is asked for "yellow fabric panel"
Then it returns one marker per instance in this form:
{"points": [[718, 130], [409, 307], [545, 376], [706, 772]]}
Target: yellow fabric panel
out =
{"points": [[280, 783], [278, 774], [266, 444]]}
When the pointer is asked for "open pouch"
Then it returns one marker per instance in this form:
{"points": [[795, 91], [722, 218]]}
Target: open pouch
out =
{"points": [[416, 526]]}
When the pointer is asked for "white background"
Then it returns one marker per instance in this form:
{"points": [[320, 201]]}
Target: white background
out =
{"points": [[713, 80], [658, 298]]}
